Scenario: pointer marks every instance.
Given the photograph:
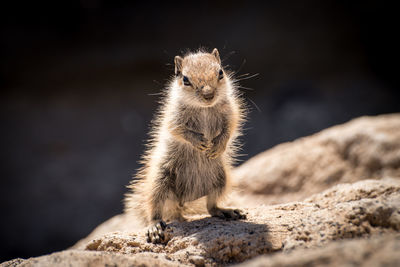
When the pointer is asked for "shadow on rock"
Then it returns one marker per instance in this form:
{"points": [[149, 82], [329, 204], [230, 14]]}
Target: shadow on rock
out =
{"points": [[197, 241], [221, 240]]}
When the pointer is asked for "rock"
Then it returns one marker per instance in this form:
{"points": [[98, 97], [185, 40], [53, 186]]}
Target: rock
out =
{"points": [[377, 251], [340, 184], [364, 148], [365, 208]]}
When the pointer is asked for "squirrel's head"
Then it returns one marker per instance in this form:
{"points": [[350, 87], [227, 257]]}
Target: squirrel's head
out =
{"points": [[200, 77]]}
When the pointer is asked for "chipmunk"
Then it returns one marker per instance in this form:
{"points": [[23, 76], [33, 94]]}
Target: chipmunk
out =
{"points": [[192, 146]]}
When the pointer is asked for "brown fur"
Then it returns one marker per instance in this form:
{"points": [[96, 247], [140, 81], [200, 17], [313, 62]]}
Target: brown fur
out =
{"points": [[192, 145]]}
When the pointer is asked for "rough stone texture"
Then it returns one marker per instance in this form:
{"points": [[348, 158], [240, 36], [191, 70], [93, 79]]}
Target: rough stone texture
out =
{"points": [[378, 251], [364, 148], [332, 201]]}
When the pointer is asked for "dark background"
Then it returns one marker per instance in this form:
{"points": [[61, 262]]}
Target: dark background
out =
{"points": [[77, 79]]}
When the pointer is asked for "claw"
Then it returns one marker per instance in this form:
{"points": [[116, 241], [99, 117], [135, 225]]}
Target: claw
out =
{"points": [[229, 214], [212, 154], [203, 147], [240, 214], [155, 234], [163, 225]]}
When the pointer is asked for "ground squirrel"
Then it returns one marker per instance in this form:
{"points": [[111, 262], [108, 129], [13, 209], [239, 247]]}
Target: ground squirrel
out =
{"points": [[193, 141]]}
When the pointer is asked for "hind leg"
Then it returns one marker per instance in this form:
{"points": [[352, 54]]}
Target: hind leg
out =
{"points": [[163, 206], [173, 210], [212, 198], [158, 197], [155, 233]]}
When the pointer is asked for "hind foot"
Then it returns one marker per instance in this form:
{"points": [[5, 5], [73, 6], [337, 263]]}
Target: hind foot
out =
{"points": [[157, 233], [228, 214]]}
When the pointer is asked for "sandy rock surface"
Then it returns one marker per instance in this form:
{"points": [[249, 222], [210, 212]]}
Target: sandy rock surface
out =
{"points": [[364, 148], [378, 251], [337, 196]]}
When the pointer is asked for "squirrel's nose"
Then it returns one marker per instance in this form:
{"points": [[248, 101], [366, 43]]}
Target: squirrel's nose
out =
{"points": [[207, 92]]}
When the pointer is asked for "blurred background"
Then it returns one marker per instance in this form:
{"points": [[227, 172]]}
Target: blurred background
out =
{"points": [[78, 80]]}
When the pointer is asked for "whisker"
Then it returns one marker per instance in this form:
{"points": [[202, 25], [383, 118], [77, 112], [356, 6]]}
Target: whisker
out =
{"points": [[249, 77], [245, 88], [243, 75], [157, 82], [255, 105], [248, 128], [154, 94]]}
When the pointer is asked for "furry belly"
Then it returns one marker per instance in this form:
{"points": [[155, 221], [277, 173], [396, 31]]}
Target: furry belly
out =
{"points": [[193, 175]]}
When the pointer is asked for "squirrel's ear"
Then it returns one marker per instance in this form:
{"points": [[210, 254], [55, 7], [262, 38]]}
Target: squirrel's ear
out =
{"points": [[178, 65], [215, 53]]}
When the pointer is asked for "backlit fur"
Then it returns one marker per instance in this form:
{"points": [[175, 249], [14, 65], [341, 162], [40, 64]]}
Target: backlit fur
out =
{"points": [[174, 171]]}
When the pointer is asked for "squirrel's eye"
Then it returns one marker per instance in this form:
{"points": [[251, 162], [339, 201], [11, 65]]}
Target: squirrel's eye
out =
{"points": [[186, 81], [220, 75]]}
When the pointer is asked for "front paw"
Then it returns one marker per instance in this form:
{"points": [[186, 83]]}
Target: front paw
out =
{"points": [[214, 152], [203, 144], [157, 233], [218, 146]]}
